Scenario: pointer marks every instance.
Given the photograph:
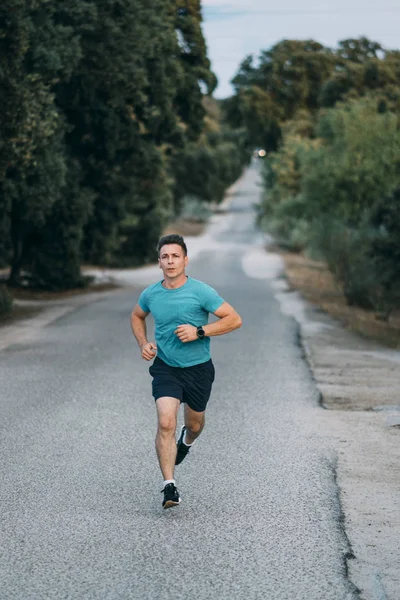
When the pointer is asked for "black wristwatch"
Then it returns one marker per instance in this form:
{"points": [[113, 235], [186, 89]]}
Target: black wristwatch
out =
{"points": [[200, 332]]}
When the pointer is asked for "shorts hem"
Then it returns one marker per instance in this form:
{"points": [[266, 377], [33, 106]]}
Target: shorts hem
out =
{"points": [[175, 396]]}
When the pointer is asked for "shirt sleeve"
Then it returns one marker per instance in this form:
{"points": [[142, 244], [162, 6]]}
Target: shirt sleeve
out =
{"points": [[211, 299], [144, 300]]}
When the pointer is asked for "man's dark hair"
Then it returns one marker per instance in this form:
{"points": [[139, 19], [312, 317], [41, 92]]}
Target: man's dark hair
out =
{"points": [[173, 238]]}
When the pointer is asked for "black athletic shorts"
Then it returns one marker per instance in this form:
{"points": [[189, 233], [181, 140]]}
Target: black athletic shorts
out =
{"points": [[191, 385]]}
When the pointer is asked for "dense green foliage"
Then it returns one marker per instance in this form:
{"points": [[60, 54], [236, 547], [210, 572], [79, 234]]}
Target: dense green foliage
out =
{"points": [[332, 179], [289, 77], [103, 132], [215, 161], [32, 156]]}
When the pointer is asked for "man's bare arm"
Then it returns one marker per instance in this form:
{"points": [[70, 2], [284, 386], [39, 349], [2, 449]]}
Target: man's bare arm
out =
{"points": [[138, 324], [229, 320]]}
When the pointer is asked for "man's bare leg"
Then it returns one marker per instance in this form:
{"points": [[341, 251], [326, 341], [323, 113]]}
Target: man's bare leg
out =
{"points": [[194, 423], [167, 412]]}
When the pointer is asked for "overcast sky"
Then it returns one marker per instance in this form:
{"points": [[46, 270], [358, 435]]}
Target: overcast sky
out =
{"points": [[236, 28]]}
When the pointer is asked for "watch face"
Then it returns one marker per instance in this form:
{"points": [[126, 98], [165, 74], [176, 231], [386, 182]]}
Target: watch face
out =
{"points": [[200, 332]]}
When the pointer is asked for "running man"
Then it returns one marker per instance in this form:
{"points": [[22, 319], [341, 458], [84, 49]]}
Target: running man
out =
{"points": [[182, 371]]}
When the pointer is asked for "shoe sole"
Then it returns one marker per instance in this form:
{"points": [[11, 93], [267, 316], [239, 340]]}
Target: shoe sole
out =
{"points": [[171, 503]]}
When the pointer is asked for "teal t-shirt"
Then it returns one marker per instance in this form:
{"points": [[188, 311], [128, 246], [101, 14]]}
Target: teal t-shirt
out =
{"points": [[189, 304]]}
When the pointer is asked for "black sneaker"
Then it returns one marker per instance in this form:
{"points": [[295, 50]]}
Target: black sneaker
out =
{"points": [[182, 449], [171, 496]]}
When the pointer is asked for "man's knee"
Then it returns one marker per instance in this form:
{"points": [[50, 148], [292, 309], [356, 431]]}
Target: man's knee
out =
{"points": [[196, 426], [167, 424]]}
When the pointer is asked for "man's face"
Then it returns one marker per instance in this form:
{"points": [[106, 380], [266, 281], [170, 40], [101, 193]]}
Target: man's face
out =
{"points": [[172, 260]]}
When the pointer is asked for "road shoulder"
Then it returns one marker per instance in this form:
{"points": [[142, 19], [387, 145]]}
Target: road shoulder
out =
{"points": [[359, 385]]}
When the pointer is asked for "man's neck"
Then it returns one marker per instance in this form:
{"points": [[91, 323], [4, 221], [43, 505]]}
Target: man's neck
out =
{"points": [[173, 284]]}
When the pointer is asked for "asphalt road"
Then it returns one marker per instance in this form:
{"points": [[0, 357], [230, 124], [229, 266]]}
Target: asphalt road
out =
{"points": [[80, 501]]}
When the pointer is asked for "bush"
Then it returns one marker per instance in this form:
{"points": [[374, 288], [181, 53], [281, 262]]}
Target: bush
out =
{"points": [[386, 249], [354, 256], [286, 223], [347, 253], [338, 196], [356, 162], [6, 300]]}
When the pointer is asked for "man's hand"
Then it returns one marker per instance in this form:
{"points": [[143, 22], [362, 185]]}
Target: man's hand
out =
{"points": [[149, 350], [186, 333]]}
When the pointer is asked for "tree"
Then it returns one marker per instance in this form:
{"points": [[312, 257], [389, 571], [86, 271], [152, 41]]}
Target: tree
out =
{"points": [[362, 66], [195, 65], [358, 162], [212, 163], [37, 51], [246, 75], [358, 50], [288, 78], [119, 107], [103, 101], [13, 44], [294, 72]]}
